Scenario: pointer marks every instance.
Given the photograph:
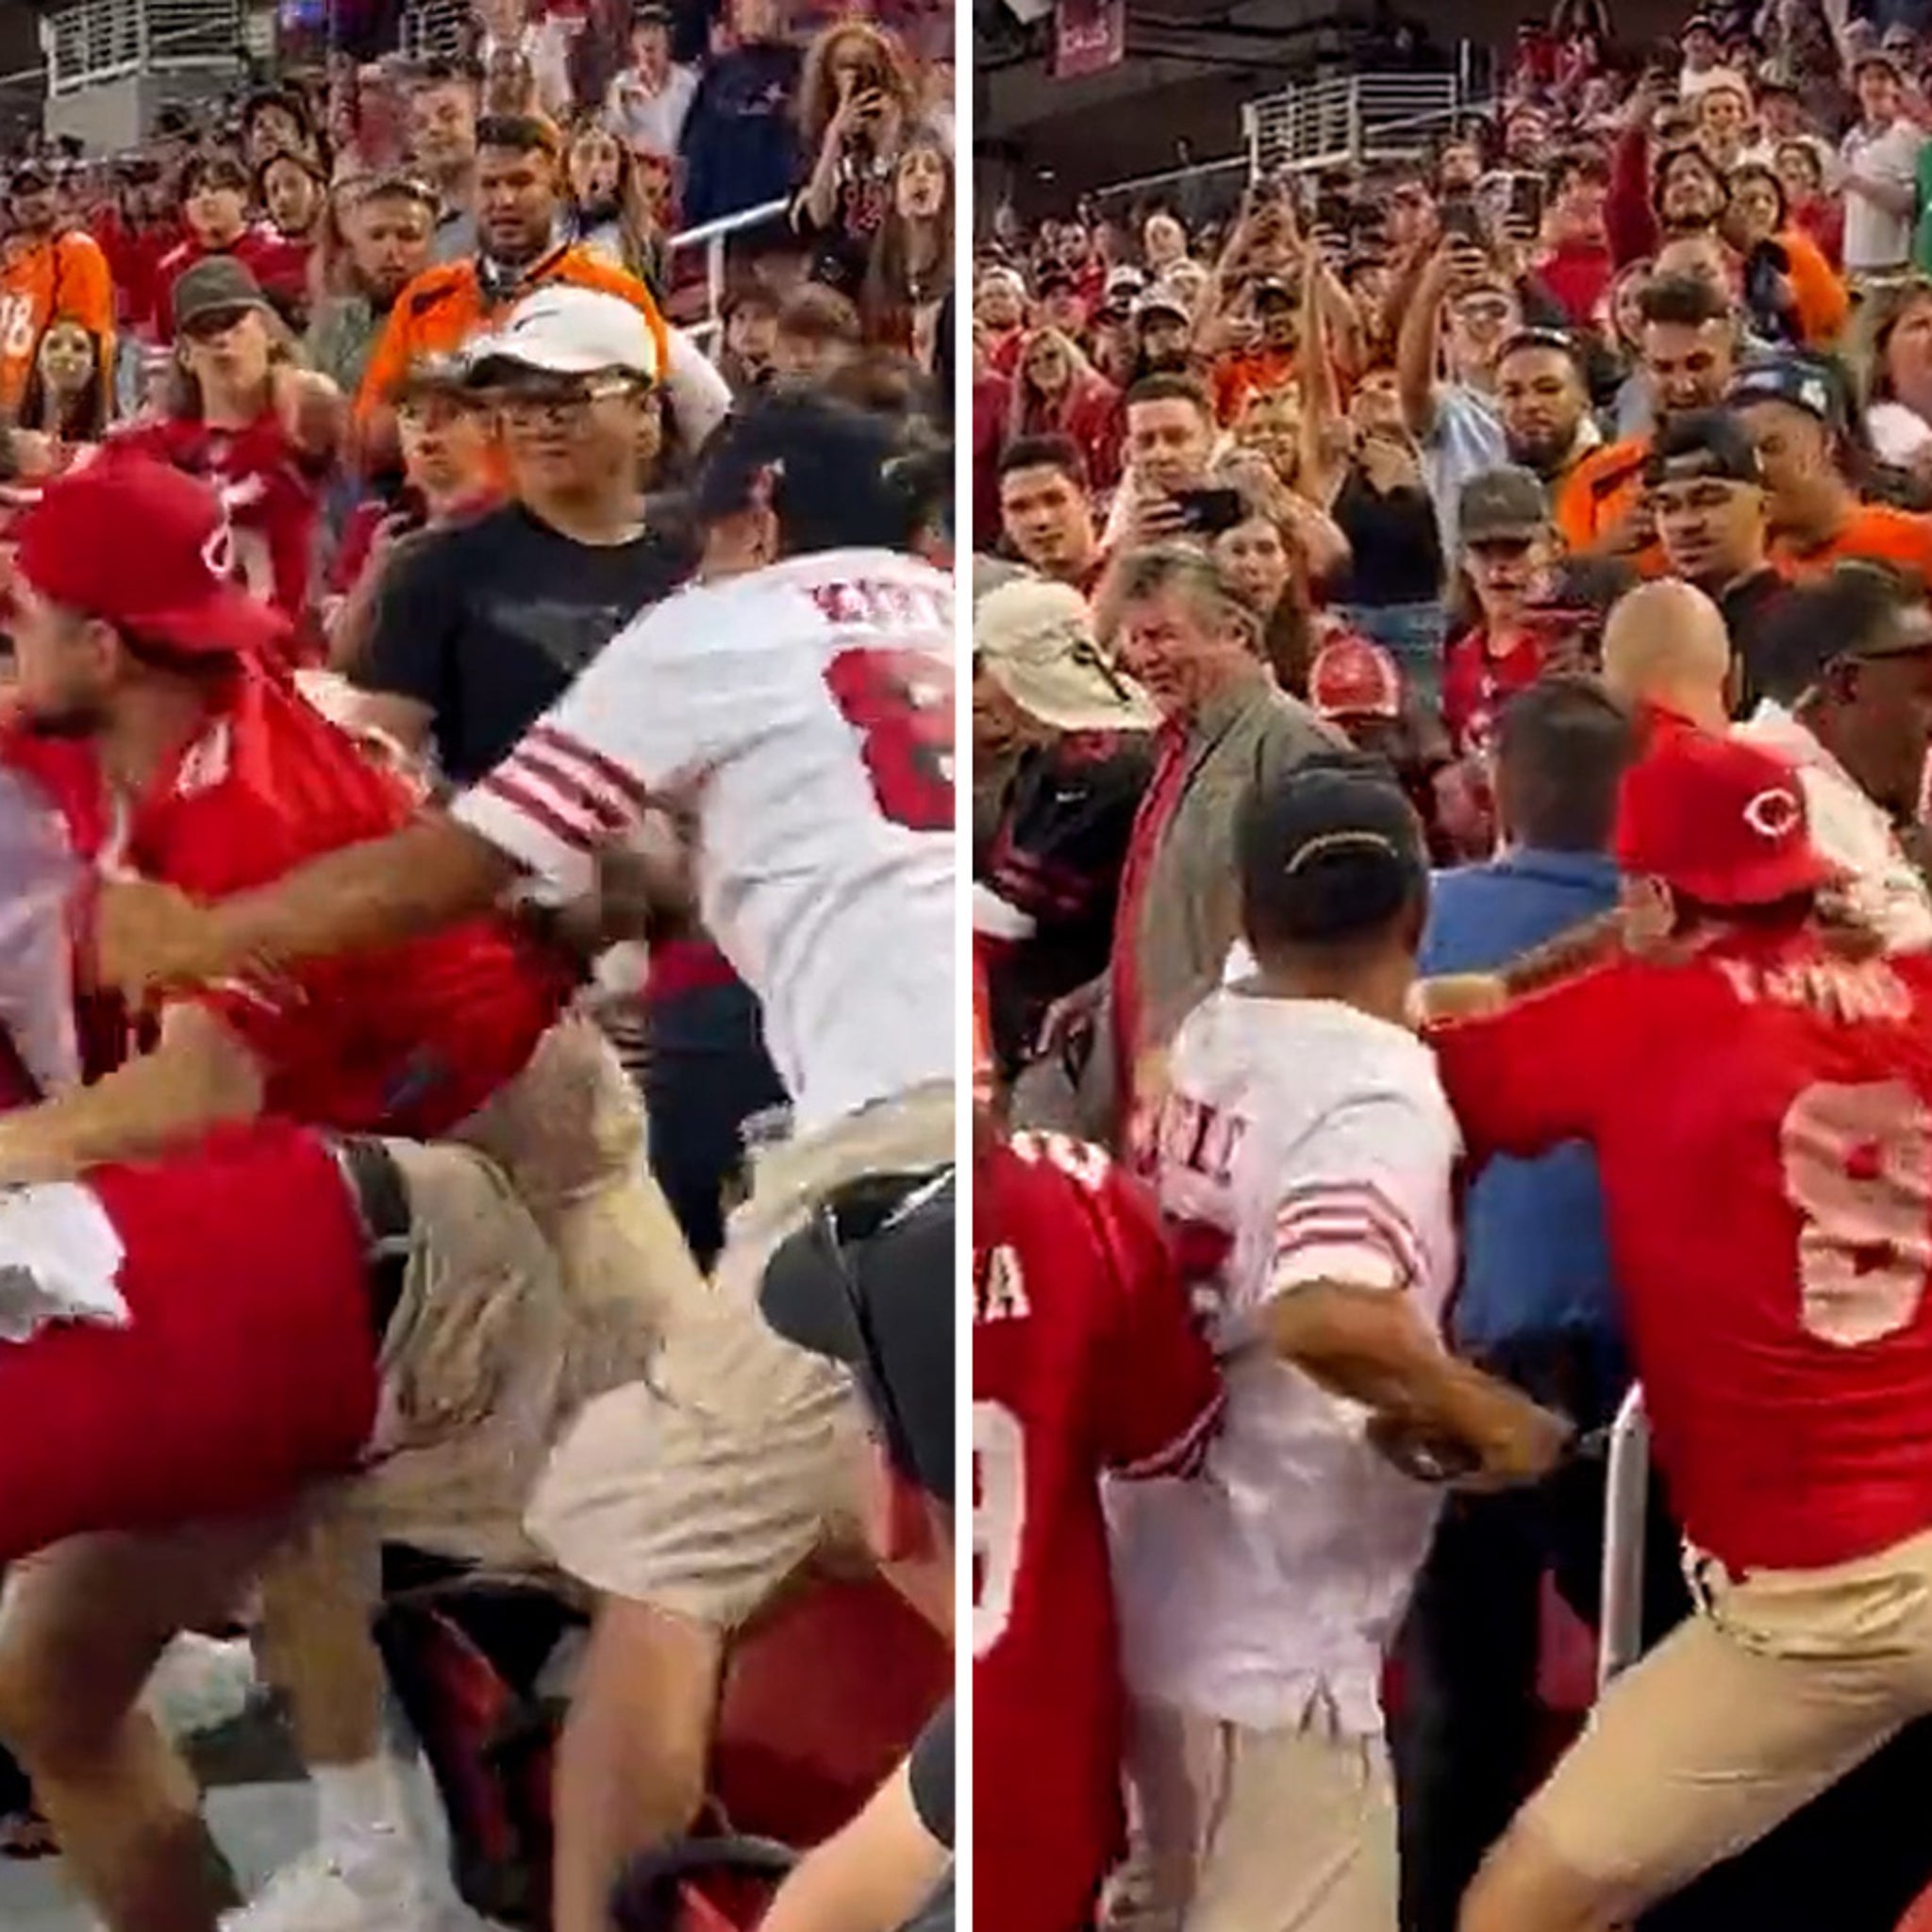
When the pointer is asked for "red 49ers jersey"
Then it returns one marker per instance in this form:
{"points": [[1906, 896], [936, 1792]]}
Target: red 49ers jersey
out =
{"points": [[1085, 1360], [1762, 1118]]}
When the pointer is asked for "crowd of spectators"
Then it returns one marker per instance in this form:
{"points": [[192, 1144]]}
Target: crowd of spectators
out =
{"points": [[1502, 461], [280, 294]]}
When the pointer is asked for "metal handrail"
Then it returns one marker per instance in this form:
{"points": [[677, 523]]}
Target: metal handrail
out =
{"points": [[1627, 1498], [711, 236]]}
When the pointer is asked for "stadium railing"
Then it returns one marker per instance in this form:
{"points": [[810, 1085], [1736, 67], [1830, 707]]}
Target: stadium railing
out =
{"points": [[714, 237], [1339, 121]]}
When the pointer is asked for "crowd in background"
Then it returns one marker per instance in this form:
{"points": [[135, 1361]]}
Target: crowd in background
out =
{"points": [[1604, 415], [278, 294]]}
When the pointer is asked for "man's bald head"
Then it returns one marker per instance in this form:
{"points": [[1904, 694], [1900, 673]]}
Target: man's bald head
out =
{"points": [[1666, 645]]}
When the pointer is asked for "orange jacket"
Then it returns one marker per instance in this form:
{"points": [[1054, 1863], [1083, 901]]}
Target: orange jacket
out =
{"points": [[40, 281], [1599, 495], [447, 306], [1825, 306], [1873, 533]]}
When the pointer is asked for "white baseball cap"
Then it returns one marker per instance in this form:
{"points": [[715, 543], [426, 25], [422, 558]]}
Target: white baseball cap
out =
{"points": [[568, 331]]}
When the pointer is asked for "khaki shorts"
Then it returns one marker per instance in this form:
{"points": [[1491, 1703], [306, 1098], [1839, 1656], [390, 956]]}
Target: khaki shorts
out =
{"points": [[570, 1133], [702, 1487], [1785, 1682], [1244, 1830]]}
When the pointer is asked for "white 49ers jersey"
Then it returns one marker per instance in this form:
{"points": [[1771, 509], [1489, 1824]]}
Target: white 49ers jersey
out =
{"points": [[1297, 1142], [802, 715]]}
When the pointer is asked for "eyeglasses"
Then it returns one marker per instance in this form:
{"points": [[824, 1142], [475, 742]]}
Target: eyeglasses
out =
{"points": [[529, 401]]}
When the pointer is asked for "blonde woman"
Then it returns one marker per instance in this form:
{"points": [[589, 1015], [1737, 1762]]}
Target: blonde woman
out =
{"points": [[1056, 392]]}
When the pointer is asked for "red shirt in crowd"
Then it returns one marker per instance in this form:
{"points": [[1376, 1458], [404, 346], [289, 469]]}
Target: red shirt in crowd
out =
{"points": [[1085, 1360], [1761, 1114], [1479, 681], [134, 252], [217, 1399], [1158, 804], [406, 1040], [271, 490], [1577, 273], [280, 265]]}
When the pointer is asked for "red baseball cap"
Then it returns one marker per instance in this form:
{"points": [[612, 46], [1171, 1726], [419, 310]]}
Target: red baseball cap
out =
{"points": [[1352, 677], [1721, 820], [146, 547]]}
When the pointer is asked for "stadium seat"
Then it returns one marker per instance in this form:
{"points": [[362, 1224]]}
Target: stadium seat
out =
{"points": [[821, 1698]]}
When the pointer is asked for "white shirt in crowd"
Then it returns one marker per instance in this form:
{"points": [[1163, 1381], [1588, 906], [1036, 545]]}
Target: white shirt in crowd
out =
{"points": [[802, 715], [1850, 829], [545, 44], [646, 117], [1314, 1141], [1874, 238]]}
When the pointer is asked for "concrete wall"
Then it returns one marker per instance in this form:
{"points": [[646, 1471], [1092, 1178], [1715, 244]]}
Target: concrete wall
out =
{"points": [[117, 115]]}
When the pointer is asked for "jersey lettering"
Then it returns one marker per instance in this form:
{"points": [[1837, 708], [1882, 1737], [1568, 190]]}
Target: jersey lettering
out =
{"points": [[882, 606], [1079, 1160], [1858, 1165], [16, 326], [999, 1287], [901, 703], [999, 1519]]}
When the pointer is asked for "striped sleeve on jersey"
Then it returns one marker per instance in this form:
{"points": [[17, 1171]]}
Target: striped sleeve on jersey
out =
{"points": [[1188, 1451], [1348, 1231], [552, 804]]}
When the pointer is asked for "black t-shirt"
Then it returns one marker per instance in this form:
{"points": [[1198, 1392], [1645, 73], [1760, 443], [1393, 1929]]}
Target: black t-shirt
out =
{"points": [[930, 1773], [1747, 608], [1395, 545], [1056, 857], [488, 623]]}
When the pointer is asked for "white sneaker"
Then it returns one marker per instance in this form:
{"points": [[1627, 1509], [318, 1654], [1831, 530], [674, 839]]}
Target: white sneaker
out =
{"points": [[379, 1884]]}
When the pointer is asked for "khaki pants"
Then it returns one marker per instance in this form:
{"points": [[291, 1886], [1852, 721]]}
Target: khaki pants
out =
{"points": [[701, 1486], [1784, 1682], [568, 1135], [1244, 1830]]}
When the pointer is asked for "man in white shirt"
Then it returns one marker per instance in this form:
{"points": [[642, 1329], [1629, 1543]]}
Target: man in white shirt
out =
{"points": [[1304, 1148], [1847, 697], [647, 102], [797, 717], [1881, 173]]}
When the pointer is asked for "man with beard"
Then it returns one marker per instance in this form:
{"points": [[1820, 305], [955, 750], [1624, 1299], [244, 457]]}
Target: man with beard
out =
{"points": [[519, 192], [43, 274], [1689, 344], [390, 232], [1706, 498], [1545, 405]]}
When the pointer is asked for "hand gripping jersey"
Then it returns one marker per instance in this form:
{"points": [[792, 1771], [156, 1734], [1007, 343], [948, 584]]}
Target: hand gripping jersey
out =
{"points": [[1084, 1359], [1762, 1119], [1296, 1141], [804, 715]]}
